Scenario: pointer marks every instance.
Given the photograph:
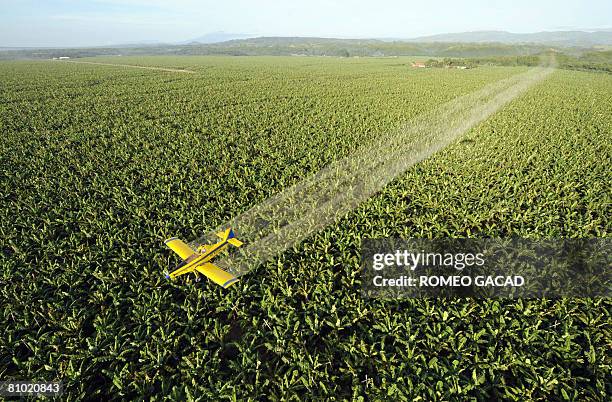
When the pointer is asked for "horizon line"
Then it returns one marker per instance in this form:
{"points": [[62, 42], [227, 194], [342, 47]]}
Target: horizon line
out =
{"points": [[189, 42]]}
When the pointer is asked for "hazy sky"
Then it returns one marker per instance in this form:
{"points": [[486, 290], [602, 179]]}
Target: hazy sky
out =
{"points": [[104, 22]]}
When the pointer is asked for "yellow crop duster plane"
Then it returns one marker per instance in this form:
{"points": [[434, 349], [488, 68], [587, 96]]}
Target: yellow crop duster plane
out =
{"points": [[199, 260]]}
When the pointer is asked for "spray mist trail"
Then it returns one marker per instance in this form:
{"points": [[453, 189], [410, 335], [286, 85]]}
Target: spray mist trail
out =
{"points": [[287, 218]]}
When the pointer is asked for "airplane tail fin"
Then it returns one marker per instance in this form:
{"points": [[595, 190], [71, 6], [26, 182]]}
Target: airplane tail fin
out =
{"points": [[235, 242], [230, 237]]}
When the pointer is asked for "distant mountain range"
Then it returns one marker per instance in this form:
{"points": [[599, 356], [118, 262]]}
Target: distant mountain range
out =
{"points": [[216, 37], [584, 39], [466, 44], [557, 38]]}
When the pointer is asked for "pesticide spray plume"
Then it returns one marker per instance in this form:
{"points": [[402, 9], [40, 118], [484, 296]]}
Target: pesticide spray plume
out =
{"points": [[287, 218]]}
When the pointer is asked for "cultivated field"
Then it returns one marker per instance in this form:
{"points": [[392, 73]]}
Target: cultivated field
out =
{"points": [[101, 163]]}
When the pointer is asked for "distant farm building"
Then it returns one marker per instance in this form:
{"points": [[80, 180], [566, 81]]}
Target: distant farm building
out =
{"points": [[63, 57], [418, 64]]}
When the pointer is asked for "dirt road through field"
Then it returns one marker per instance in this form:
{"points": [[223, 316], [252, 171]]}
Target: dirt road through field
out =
{"points": [[173, 70]]}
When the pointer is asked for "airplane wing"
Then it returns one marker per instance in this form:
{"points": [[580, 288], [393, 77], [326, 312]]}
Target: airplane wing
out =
{"points": [[177, 245], [217, 275]]}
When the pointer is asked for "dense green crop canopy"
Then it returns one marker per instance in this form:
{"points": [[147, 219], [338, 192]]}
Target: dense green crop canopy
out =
{"points": [[101, 163]]}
